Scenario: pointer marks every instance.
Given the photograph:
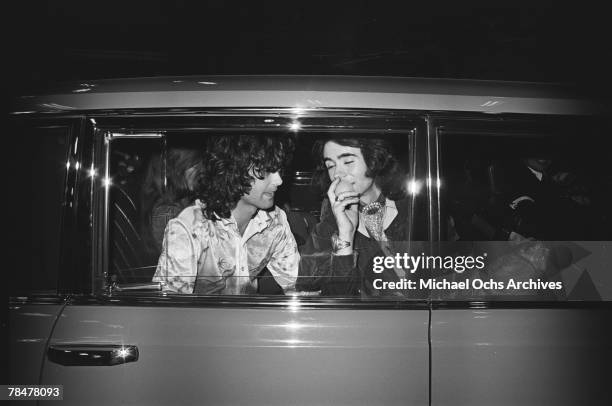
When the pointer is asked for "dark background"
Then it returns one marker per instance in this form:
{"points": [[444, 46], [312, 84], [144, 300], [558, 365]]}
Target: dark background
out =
{"points": [[72, 39]]}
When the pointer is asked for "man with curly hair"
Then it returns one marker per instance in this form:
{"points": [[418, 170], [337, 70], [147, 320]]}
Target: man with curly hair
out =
{"points": [[234, 233]]}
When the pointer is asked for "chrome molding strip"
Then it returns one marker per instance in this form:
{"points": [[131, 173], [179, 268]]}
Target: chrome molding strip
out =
{"points": [[280, 302], [136, 135], [294, 303], [45, 299], [518, 304]]}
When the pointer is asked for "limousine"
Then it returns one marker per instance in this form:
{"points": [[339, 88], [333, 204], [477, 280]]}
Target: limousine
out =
{"points": [[85, 311]]}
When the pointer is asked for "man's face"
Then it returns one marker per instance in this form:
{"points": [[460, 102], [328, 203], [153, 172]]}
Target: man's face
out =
{"points": [[539, 164], [262, 191], [348, 164]]}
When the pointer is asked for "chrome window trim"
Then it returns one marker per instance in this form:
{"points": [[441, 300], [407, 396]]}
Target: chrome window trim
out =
{"points": [[106, 210], [427, 133], [15, 302], [115, 135], [96, 213], [241, 112], [110, 133], [437, 117], [92, 205], [285, 112], [412, 156], [101, 272], [432, 190]]}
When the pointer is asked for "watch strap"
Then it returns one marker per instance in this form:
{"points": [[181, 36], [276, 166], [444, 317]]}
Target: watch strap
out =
{"points": [[338, 243]]}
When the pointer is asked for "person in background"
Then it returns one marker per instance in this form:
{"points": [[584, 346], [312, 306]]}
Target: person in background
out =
{"points": [[537, 201], [168, 188]]}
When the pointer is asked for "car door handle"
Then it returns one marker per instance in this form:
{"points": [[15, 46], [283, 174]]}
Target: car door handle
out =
{"points": [[92, 354]]}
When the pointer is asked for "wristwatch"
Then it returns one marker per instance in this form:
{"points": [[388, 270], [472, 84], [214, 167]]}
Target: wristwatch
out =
{"points": [[338, 243]]}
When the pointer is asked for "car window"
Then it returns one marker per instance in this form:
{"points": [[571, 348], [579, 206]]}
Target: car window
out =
{"points": [[160, 231], [534, 205]]}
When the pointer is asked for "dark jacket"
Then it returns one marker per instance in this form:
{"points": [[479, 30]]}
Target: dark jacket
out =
{"points": [[535, 208], [353, 274]]}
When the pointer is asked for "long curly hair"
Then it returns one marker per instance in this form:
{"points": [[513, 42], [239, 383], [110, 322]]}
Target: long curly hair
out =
{"points": [[377, 153], [232, 162]]}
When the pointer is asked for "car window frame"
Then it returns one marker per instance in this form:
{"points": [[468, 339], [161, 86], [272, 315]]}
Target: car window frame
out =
{"points": [[155, 124]]}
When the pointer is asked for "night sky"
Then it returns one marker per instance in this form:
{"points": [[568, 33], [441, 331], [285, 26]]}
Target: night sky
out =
{"points": [[65, 40]]}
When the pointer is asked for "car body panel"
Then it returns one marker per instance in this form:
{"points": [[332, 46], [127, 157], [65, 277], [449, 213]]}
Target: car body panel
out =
{"points": [[30, 325], [247, 356], [520, 356]]}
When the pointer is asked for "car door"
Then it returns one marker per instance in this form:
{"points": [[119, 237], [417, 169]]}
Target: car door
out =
{"points": [[549, 342], [126, 343], [293, 351]]}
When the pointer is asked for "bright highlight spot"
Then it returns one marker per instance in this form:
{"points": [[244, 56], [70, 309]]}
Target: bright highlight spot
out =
{"points": [[414, 186], [436, 182], [294, 304], [92, 173], [298, 111], [293, 326]]}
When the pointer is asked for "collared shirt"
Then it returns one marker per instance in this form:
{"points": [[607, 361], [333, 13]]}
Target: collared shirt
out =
{"points": [[211, 257]]}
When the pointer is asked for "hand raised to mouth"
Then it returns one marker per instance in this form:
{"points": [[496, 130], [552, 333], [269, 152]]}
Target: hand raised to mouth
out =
{"points": [[344, 201]]}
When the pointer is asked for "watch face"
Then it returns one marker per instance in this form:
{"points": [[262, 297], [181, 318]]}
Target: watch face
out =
{"points": [[338, 244]]}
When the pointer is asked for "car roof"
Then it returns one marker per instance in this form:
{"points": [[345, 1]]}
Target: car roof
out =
{"points": [[310, 92]]}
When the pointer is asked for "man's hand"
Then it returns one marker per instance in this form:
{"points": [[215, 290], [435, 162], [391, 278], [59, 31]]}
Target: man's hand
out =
{"points": [[344, 206]]}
